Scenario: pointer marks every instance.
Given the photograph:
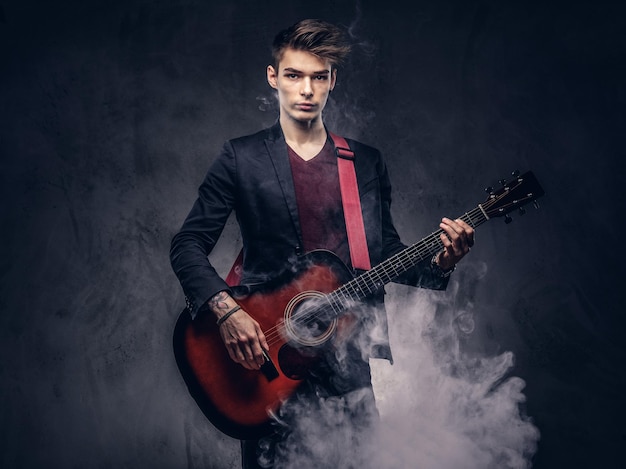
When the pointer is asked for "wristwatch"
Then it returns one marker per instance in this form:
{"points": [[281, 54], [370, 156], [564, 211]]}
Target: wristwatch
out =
{"points": [[437, 270]]}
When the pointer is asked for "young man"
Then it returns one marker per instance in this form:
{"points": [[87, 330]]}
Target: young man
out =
{"points": [[284, 187]]}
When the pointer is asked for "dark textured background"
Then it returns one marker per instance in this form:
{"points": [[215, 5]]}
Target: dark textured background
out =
{"points": [[110, 112]]}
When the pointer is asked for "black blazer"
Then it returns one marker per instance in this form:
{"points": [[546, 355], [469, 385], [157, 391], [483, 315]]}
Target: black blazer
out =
{"points": [[252, 175]]}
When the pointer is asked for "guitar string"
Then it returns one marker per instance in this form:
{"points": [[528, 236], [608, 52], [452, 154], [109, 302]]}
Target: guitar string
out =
{"points": [[413, 254], [408, 254], [405, 259]]}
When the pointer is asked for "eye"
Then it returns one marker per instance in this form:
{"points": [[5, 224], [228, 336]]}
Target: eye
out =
{"points": [[292, 76], [321, 77]]}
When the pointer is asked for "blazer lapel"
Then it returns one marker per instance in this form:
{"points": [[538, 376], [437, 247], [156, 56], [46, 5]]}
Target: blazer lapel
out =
{"points": [[277, 149]]}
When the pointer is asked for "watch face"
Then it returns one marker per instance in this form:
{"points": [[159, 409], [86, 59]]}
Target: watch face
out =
{"points": [[438, 270]]}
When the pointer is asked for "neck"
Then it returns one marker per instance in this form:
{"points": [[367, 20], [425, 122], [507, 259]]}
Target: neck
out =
{"points": [[303, 133]]}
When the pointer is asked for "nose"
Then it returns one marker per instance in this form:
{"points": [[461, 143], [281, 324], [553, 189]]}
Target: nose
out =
{"points": [[307, 89]]}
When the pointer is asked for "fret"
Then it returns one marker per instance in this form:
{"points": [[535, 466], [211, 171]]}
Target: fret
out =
{"points": [[343, 291], [350, 289], [380, 283], [362, 286], [354, 288], [335, 303]]}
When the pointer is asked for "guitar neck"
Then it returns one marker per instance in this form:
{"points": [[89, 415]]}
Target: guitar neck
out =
{"points": [[387, 271]]}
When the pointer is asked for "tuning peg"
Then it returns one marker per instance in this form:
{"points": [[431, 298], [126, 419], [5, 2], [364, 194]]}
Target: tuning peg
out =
{"points": [[515, 173], [503, 182], [507, 219], [522, 210], [489, 190]]}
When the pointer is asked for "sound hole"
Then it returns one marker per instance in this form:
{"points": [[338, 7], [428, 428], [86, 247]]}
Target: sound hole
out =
{"points": [[309, 319]]}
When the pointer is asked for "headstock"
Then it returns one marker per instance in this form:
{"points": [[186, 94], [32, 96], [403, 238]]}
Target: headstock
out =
{"points": [[513, 195]]}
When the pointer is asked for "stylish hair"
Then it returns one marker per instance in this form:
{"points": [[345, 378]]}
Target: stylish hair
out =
{"points": [[322, 39]]}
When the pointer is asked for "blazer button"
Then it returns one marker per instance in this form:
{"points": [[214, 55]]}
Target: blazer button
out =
{"points": [[299, 250]]}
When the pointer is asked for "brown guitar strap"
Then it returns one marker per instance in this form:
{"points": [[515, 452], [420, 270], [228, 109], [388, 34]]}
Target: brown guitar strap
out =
{"points": [[351, 209]]}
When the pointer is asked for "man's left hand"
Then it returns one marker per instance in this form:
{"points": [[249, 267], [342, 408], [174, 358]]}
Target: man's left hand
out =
{"points": [[457, 239]]}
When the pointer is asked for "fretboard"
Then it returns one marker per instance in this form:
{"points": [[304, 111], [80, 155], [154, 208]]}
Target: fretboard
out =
{"points": [[387, 271]]}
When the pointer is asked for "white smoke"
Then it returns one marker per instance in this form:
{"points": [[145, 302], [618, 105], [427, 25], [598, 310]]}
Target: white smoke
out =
{"points": [[443, 409], [326, 435], [439, 408]]}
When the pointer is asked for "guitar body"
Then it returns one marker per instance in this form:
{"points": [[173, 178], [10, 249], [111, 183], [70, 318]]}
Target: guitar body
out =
{"points": [[238, 401]]}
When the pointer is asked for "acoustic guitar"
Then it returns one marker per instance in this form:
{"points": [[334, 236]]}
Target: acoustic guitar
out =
{"points": [[300, 312]]}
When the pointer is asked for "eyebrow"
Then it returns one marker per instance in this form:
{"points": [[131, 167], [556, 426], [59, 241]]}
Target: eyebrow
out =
{"points": [[294, 70]]}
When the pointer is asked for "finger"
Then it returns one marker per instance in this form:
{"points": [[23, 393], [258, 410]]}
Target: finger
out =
{"points": [[454, 225], [470, 234], [466, 226], [452, 242], [461, 235], [447, 229], [249, 356], [237, 348], [237, 356], [471, 238], [257, 354], [259, 346], [239, 345], [262, 339], [447, 244]]}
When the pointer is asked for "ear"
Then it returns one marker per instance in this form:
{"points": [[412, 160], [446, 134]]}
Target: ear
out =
{"points": [[272, 77], [333, 78]]}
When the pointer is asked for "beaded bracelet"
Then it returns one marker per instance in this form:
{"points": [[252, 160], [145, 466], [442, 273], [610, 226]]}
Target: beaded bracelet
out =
{"points": [[221, 320]]}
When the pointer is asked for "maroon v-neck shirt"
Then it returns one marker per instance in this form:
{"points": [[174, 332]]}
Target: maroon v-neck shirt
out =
{"points": [[316, 183]]}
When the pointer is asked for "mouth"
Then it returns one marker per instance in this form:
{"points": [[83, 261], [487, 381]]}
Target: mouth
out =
{"points": [[305, 106]]}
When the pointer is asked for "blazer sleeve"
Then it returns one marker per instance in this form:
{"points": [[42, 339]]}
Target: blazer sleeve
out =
{"points": [[201, 230]]}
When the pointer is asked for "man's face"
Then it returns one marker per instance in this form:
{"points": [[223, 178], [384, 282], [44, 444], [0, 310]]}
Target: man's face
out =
{"points": [[303, 82]]}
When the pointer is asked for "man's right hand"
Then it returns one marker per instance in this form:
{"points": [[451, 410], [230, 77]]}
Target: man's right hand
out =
{"points": [[241, 334]]}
